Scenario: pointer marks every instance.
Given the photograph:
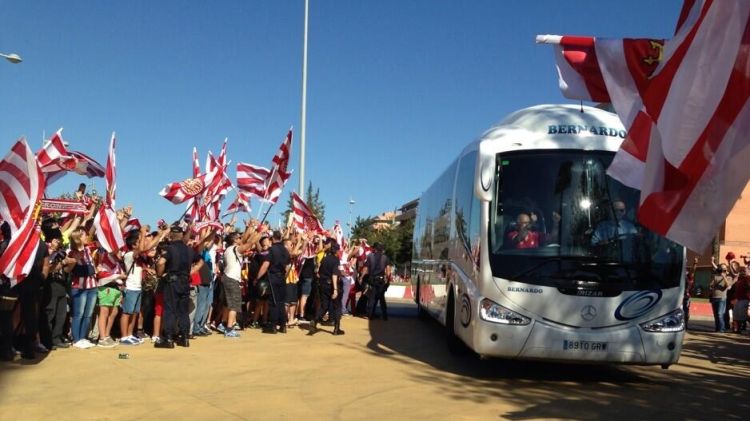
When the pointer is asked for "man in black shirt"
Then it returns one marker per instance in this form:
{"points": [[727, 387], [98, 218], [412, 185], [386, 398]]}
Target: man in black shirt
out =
{"points": [[28, 299], [174, 269], [331, 286], [275, 267], [379, 268]]}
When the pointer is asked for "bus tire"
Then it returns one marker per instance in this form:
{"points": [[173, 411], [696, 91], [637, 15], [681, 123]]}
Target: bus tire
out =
{"points": [[455, 345], [421, 313]]}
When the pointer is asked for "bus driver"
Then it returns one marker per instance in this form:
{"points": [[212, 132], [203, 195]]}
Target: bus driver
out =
{"points": [[522, 236]]}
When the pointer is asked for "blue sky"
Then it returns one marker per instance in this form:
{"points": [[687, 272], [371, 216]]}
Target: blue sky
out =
{"points": [[396, 88]]}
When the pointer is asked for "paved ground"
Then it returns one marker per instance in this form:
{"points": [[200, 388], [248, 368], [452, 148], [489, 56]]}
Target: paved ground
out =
{"points": [[398, 369]]}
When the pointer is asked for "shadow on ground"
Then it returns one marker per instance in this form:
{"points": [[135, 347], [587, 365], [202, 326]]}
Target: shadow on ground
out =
{"points": [[710, 382]]}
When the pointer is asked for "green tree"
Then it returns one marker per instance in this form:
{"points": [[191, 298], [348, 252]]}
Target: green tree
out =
{"points": [[312, 199], [396, 239]]}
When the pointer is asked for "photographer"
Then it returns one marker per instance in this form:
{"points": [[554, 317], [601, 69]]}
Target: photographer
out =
{"points": [[717, 293]]}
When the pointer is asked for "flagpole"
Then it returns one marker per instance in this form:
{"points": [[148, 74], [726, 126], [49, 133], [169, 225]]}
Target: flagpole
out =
{"points": [[304, 106]]}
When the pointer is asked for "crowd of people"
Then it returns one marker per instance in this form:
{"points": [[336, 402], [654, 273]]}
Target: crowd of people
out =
{"points": [[181, 281]]}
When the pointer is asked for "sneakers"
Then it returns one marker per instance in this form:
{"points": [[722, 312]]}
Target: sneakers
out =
{"points": [[231, 334], [106, 343], [221, 328], [130, 340], [154, 339], [83, 344], [236, 326], [141, 335], [164, 343]]}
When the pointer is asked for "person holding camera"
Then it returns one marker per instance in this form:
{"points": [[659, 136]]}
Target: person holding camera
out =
{"points": [[717, 293]]}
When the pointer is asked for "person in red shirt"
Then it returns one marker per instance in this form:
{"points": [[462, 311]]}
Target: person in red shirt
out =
{"points": [[742, 297], [522, 236]]}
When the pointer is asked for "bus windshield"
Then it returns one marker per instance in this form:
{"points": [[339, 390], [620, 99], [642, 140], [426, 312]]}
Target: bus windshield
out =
{"points": [[557, 217]]}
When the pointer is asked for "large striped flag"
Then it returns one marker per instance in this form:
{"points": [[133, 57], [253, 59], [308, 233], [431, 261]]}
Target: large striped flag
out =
{"points": [[21, 190], [304, 218], [687, 126], [107, 226], [609, 70], [252, 179], [279, 170]]}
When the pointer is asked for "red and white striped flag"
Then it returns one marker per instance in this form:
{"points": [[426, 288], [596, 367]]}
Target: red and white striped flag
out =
{"points": [[215, 191], [240, 204], [133, 224], [696, 117], [179, 192], [54, 155], [252, 179], [338, 233], [193, 204], [107, 226], [609, 70], [363, 250], [222, 160], [304, 218], [108, 269], [279, 173], [686, 127], [21, 190]]}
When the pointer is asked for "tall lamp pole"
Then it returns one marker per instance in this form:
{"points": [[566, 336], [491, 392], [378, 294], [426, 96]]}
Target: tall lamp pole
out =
{"points": [[351, 203], [13, 58], [301, 189]]}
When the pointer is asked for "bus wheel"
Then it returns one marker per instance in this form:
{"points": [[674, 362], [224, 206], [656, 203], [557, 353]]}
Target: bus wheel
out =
{"points": [[421, 314], [455, 345]]}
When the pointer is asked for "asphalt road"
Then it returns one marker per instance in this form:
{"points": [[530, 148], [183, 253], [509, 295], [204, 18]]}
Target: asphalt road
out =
{"points": [[399, 369]]}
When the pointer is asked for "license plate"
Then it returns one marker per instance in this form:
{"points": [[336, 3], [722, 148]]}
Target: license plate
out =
{"points": [[574, 345]]}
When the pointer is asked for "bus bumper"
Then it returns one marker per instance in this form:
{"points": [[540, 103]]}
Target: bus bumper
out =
{"points": [[545, 341]]}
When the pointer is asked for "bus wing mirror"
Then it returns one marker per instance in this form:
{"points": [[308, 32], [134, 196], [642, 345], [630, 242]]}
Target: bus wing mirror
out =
{"points": [[485, 174]]}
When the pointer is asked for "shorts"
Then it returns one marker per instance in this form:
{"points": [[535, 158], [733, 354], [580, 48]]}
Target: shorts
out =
{"points": [[291, 293], [109, 297], [132, 302], [304, 286], [739, 312], [159, 304], [232, 293]]}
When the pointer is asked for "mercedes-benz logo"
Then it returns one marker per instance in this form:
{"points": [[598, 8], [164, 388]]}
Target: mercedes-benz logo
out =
{"points": [[588, 313]]}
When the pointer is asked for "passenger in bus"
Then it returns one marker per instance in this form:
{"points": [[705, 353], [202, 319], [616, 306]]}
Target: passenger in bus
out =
{"points": [[522, 236], [615, 229]]}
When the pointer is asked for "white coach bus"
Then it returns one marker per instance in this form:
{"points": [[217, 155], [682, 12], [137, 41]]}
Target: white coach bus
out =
{"points": [[525, 248]]}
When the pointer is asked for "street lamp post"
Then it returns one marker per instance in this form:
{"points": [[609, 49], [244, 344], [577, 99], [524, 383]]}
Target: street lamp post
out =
{"points": [[304, 110], [349, 224], [13, 58]]}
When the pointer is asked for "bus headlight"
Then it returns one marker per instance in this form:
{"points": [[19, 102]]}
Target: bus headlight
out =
{"points": [[671, 322], [494, 312]]}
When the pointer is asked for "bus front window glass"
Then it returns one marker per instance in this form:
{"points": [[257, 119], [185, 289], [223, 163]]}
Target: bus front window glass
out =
{"points": [[556, 215]]}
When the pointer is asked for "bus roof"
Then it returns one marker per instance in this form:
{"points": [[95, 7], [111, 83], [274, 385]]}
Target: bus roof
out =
{"points": [[554, 127]]}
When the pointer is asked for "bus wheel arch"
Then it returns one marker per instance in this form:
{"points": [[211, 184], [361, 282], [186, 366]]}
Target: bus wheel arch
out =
{"points": [[456, 345]]}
